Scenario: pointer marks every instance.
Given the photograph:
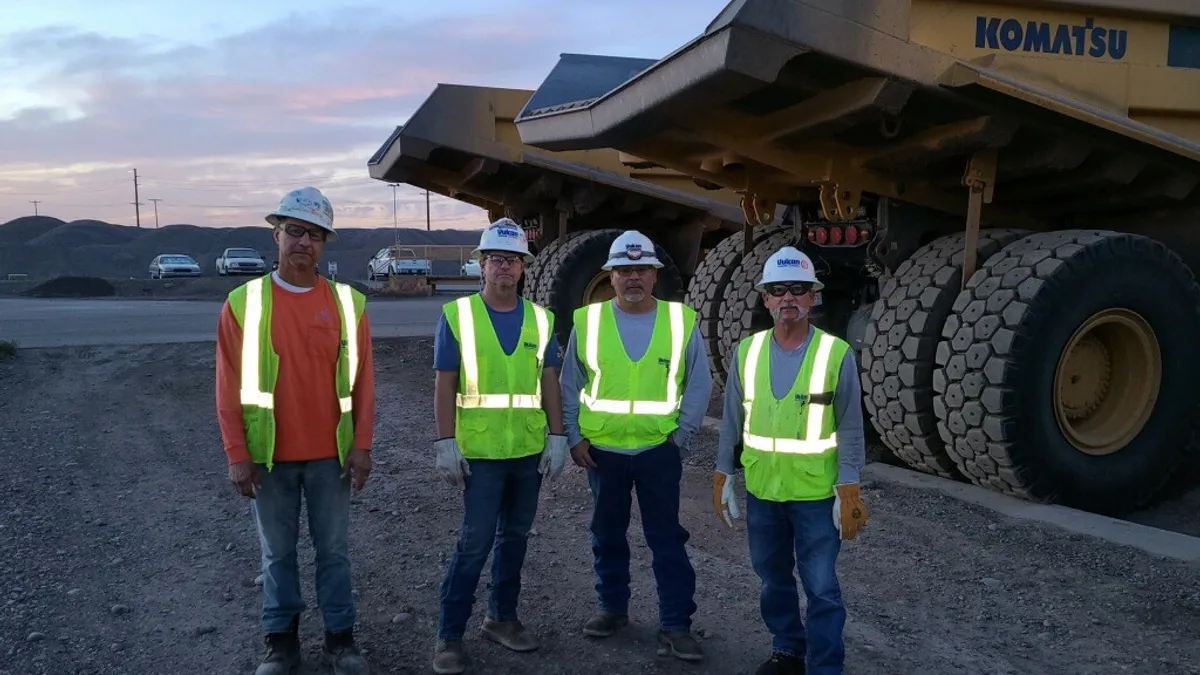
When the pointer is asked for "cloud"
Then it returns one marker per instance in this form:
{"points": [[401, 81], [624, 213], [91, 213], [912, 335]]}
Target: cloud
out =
{"points": [[307, 98]]}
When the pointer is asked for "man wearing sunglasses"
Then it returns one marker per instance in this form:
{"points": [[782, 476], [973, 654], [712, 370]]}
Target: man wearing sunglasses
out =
{"points": [[500, 433], [792, 401], [296, 404], [635, 388]]}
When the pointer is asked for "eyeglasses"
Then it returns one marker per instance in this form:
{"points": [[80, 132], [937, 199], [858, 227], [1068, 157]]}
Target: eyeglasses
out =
{"points": [[497, 259], [796, 289], [297, 231]]}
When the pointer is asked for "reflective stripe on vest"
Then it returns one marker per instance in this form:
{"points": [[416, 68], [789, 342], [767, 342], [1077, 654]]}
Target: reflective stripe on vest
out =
{"points": [[812, 443], [590, 397], [253, 392], [470, 362]]}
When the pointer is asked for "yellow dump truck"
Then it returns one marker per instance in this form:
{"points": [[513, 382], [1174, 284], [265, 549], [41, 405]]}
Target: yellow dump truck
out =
{"points": [[461, 142], [1000, 195]]}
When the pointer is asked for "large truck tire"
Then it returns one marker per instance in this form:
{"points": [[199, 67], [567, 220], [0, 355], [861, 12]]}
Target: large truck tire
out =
{"points": [[537, 279], [900, 343], [709, 290], [1067, 370], [571, 276]]}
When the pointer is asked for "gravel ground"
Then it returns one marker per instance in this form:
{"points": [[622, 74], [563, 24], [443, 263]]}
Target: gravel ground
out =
{"points": [[124, 550]]}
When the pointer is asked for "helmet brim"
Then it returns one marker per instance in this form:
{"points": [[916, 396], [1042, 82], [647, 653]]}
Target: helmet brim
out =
{"points": [[478, 253], [625, 262]]}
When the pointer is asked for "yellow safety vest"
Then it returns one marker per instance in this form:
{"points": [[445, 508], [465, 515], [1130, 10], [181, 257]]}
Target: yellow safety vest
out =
{"points": [[789, 445], [251, 305], [628, 404], [499, 401]]}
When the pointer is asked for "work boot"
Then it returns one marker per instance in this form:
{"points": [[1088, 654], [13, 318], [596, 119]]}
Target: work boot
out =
{"points": [[341, 653], [680, 644], [511, 634], [283, 652], [448, 657], [781, 664], [604, 624]]}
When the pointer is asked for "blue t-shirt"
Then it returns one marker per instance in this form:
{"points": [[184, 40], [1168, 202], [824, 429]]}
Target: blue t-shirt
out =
{"points": [[446, 355]]}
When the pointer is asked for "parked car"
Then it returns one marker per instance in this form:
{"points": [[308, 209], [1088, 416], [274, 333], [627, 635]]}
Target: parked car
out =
{"points": [[392, 260], [173, 265], [471, 268], [241, 261]]}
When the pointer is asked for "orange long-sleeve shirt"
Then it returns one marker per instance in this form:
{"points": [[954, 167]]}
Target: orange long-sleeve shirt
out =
{"points": [[306, 333]]}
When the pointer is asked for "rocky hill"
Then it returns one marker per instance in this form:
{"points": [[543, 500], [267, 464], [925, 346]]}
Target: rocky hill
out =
{"points": [[44, 247]]}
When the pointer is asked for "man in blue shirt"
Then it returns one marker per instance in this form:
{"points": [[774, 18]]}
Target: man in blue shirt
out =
{"points": [[492, 421]]}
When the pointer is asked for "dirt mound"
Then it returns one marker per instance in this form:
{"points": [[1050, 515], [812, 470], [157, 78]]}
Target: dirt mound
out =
{"points": [[72, 287], [23, 229], [46, 247], [84, 233]]}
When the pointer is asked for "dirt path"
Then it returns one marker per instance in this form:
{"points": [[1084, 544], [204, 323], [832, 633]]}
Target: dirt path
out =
{"points": [[122, 550]]}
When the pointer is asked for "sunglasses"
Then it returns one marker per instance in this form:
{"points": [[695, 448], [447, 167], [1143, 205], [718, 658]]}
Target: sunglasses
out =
{"points": [[498, 260], [796, 289], [297, 231]]}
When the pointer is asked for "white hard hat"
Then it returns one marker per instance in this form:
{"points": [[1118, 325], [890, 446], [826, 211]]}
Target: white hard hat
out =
{"points": [[789, 265], [307, 204], [504, 235], [632, 248]]}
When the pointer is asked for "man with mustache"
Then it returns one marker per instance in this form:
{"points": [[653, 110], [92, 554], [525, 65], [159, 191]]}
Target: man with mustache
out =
{"points": [[792, 400], [500, 432], [635, 387], [296, 406]]}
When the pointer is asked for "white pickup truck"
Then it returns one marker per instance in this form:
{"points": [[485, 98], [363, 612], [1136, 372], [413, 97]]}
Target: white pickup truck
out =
{"points": [[393, 260]]}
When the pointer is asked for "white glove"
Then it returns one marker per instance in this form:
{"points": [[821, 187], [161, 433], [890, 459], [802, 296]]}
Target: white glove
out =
{"points": [[451, 465], [724, 500], [554, 456]]}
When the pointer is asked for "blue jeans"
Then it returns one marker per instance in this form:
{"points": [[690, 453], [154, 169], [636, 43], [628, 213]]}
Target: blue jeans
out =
{"points": [[801, 536], [655, 474], [276, 512], [499, 504]]}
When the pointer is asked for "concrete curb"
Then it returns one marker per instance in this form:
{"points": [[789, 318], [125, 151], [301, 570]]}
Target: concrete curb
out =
{"points": [[1151, 540], [1154, 541]]}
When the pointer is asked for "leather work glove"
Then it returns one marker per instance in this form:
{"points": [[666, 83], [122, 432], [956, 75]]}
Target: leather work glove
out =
{"points": [[724, 500], [451, 465], [849, 512], [554, 457]]}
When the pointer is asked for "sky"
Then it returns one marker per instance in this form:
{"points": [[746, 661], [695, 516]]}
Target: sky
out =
{"points": [[224, 106]]}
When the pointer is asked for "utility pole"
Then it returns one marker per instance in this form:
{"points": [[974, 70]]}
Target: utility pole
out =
{"points": [[35, 202], [156, 201], [137, 212], [427, 211], [395, 219]]}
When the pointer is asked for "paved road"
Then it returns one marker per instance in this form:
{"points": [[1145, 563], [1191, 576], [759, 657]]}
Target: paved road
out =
{"points": [[58, 323]]}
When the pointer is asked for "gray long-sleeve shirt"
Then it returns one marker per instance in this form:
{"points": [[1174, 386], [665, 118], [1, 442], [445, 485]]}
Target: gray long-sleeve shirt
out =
{"points": [[636, 330], [785, 368]]}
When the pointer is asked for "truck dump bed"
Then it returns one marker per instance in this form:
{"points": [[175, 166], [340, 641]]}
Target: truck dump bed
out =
{"points": [[462, 143], [1087, 109]]}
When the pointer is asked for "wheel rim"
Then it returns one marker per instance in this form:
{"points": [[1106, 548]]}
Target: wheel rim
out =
{"points": [[598, 289], [1107, 381]]}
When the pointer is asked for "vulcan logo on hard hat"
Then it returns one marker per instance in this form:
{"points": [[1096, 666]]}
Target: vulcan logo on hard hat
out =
{"points": [[508, 233], [633, 251], [791, 262]]}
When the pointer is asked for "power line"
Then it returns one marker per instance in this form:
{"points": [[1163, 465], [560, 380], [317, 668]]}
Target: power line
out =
{"points": [[137, 206], [35, 202], [156, 201], [395, 218]]}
